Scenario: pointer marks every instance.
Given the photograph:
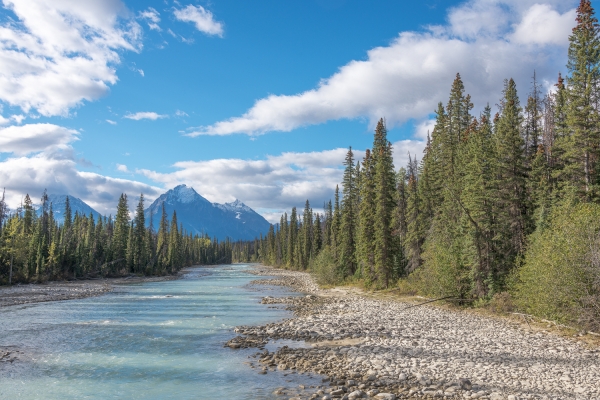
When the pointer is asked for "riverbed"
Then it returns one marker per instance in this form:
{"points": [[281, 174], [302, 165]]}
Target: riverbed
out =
{"points": [[153, 340]]}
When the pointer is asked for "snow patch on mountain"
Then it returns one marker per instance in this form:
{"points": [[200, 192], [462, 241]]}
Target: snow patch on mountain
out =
{"points": [[235, 206], [185, 194], [233, 220]]}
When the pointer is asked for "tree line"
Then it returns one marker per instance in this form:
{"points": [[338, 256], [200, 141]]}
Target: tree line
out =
{"points": [[500, 206], [35, 248]]}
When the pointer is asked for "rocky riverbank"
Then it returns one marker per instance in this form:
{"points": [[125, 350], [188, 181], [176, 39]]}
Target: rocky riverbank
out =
{"points": [[67, 290], [370, 348]]}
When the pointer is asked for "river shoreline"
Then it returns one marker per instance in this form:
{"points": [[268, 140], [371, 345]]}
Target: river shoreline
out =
{"points": [[69, 290], [374, 348]]}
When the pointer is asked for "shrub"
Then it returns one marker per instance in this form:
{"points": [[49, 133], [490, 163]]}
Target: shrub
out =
{"points": [[560, 276], [444, 271], [502, 303], [325, 269]]}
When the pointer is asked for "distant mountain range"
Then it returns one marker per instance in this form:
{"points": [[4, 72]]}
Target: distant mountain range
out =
{"points": [[58, 207], [198, 215]]}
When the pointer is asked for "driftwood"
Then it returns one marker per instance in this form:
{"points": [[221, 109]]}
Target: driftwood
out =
{"points": [[524, 317]]}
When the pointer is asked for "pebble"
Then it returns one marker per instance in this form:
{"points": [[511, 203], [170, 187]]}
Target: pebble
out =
{"points": [[381, 349]]}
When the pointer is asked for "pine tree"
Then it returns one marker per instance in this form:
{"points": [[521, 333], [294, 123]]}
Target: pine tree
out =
{"points": [[347, 233], [162, 245], [511, 178], [365, 238], [477, 202], [384, 184], [336, 222], [307, 235], [121, 232], [140, 252], [583, 99], [174, 245], [292, 240], [410, 199]]}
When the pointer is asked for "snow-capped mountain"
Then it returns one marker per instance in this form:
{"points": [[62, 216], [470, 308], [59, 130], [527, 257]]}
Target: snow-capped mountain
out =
{"points": [[199, 216], [58, 207]]}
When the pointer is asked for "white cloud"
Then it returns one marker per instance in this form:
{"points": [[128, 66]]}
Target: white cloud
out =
{"points": [[203, 19], [123, 168], [18, 118], [141, 71], [277, 183], [32, 138], [42, 158], [484, 40], [544, 25], [56, 54], [423, 128], [180, 113], [145, 115], [110, 121], [152, 18], [59, 175]]}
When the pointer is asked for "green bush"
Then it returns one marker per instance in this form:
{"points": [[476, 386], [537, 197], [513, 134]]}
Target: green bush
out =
{"points": [[560, 276], [444, 271], [325, 269]]}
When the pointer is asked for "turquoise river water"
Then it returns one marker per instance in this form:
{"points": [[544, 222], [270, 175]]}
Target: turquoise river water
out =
{"points": [[159, 340]]}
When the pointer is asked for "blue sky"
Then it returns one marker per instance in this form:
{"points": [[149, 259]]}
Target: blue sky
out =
{"points": [[251, 100]]}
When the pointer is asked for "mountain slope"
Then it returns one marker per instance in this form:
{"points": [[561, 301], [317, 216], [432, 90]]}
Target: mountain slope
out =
{"points": [[58, 206], [199, 216]]}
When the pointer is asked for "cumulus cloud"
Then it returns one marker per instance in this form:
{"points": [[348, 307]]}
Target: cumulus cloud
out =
{"points": [[486, 41], [145, 115], [56, 54], [32, 138], [123, 168], [543, 25], [275, 184], [202, 18], [41, 157], [110, 121], [33, 174]]}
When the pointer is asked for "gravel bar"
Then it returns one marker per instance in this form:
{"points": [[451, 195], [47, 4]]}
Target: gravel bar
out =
{"points": [[380, 349]]}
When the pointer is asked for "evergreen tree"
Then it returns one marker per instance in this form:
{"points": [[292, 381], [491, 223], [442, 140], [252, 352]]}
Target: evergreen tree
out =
{"points": [[511, 178], [582, 151], [121, 233], [366, 231], [384, 185], [347, 233], [139, 237]]}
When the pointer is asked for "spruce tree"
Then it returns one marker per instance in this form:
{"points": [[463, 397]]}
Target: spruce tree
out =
{"points": [[511, 178], [121, 232], [365, 238], [582, 103], [347, 233], [140, 258], [384, 186]]}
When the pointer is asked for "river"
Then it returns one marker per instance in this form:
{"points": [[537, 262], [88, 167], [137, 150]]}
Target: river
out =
{"points": [[159, 340]]}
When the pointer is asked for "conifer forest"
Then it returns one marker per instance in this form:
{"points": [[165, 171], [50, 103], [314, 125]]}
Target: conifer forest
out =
{"points": [[501, 207], [34, 248]]}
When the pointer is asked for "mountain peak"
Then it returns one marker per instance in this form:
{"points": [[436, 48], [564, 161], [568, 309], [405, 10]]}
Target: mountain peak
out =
{"points": [[185, 194], [234, 220], [237, 204]]}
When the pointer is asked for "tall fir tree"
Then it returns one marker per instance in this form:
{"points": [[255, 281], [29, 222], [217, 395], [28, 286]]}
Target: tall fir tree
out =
{"points": [[384, 185], [347, 233]]}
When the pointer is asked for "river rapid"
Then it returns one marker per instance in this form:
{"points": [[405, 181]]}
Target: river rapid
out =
{"points": [[159, 340]]}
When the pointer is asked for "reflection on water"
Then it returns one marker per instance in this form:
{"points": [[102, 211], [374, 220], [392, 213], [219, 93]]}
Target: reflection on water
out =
{"points": [[160, 340]]}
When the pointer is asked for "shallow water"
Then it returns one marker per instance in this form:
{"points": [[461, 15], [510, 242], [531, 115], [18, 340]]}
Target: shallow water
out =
{"points": [[160, 340]]}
